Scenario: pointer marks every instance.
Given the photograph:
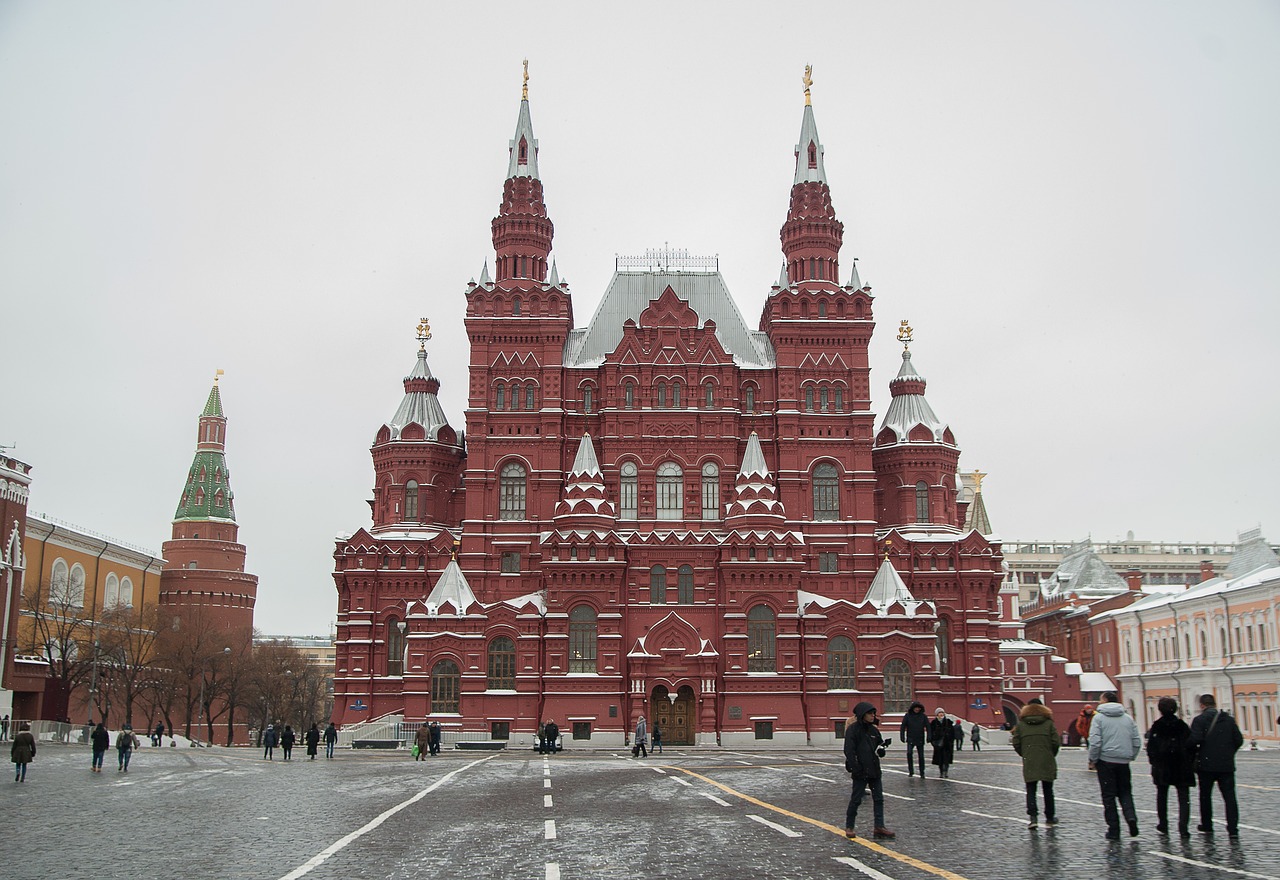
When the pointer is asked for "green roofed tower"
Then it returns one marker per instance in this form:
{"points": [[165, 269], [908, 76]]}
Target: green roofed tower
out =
{"points": [[204, 562]]}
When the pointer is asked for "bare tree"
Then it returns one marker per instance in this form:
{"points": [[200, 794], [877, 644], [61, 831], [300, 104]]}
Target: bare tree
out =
{"points": [[62, 633], [127, 648]]}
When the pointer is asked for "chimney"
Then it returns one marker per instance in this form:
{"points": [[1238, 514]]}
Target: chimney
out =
{"points": [[1206, 570], [1134, 577]]}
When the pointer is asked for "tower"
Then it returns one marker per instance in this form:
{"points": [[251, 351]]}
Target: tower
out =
{"points": [[204, 567]]}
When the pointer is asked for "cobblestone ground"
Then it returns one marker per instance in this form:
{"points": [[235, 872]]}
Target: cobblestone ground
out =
{"points": [[705, 814]]}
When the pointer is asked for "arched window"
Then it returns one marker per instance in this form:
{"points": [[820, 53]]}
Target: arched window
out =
{"points": [[1204, 645], [822, 399], [708, 395], [840, 664], [661, 395], [839, 400], [822, 305], [942, 643], [658, 585], [627, 491], [515, 396], [761, 640], [675, 395], [502, 664], [516, 306], [1020, 666], [582, 639], [111, 592], [395, 646], [749, 403], [500, 396], [710, 491], [670, 491], [511, 492], [588, 399], [922, 502], [629, 394], [126, 592], [75, 589], [826, 492], [528, 396], [808, 398], [444, 688], [411, 501], [684, 592], [897, 687]]}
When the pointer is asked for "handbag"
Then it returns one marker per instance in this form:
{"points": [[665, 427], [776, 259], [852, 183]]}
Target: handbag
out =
{"points": [[416, 750]]}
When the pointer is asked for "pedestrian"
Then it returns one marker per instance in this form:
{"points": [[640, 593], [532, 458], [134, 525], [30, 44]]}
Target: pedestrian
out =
{"points": [[975, 737], [642, 739], [943, 739], [656, 738], [330, 740], [553, 736], [423, 742], [1036, 740], [959, 732], [126, 742], [269, 742], [101, 741], [542, 738], [22, 752], [1172, 764], [435, 737], [1083, 724], [1216, 739], [913, 731], [1114, 741], [4, 728], [87, 731], [313, 741], [287, 739], [158, 734], [863, 749]]}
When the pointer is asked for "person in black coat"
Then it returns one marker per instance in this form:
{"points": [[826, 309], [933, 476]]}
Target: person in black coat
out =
{"points": [[287, 739], [914, 731], [101, 741], [553, 736], [312, 739], [943, 739], [1216, 739], [1169, 751], [863, 749]]}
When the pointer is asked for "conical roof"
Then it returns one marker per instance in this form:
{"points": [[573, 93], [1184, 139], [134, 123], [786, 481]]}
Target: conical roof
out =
{"points": [[207, 495], [887, 588], [754, 496], [452, 587], [908, 408], [524, 162], [809, 167], [420, 405], [585, 504]]}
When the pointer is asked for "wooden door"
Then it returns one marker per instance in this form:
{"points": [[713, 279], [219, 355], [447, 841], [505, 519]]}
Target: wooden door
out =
{"points": [[675, 720]]}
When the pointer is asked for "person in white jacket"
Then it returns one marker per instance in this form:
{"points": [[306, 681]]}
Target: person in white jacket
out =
{"points": [[1114, 741]]}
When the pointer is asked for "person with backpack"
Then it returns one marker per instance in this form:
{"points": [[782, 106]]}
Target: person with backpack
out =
{"points": [[863, 749], [1216, 739], [101, 742], [330, 740], [914, 731], [1036, 741], [1172, 764], [126, 742]]}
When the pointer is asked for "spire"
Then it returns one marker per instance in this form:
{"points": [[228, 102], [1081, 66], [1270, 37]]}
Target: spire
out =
{"points": [[485, 280], [783, 283], [522, 231], [887, 588], [755, 501], [207, 494], [554, 280], [584, 503], [855, 281], [811, 236], [420, 406], [452, 587]]}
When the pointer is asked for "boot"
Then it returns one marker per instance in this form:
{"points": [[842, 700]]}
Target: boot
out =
{"points": [[850, 833], [883, 833]]}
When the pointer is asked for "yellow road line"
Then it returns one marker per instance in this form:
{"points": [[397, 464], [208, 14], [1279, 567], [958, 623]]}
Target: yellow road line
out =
{"points": [[826, 826]]}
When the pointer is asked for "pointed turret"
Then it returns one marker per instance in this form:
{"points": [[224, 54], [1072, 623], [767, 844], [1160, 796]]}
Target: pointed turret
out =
{"points": [[755, 501], [812, 235], [585, 504], [909, 413], [420, 406], [452, 589], [887, 589], [522, 231], [207, 494]]}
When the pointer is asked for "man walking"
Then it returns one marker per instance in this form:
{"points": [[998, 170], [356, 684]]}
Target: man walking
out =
{"points": [[330, 740], [915, 724], [1114, 741], [1216, 739], [863, 749]]}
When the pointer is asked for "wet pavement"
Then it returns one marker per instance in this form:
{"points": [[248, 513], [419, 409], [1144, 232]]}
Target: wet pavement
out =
{"points": [[699, 813]]}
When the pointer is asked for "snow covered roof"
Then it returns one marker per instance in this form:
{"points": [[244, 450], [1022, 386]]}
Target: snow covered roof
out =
{"points": [[1084, 573], [887, 588], [420, 405], [1096, 681], [909, 408], [1252, 553], [452, 587]]}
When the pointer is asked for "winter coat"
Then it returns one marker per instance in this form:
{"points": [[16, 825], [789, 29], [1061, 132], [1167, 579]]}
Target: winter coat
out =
{"points": [[101, 739], [1113, 735], [269, 739], [642, 731], [975, 734], [126, 741], [553, 733], [1169, 751], [1037, 741], [435, 733], [863, 746], [287, 739], [23, 750], [423, 739], [943, 739], [914, 724], [1215, 748], [313, 740], [330, 734], [1083, 723]]}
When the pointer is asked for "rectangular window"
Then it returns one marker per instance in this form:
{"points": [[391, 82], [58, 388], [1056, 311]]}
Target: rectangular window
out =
{"points": [[764, 730], [499, 730], [627, 498], [839, 728], [710, 497], [828, 563], [510, 563], [582, 730]]}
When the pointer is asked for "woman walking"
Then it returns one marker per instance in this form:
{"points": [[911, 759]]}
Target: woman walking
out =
{"points": [[975, 737], [313, 741], [1172, 764], [942, 738], [1036, 740], [22, 752]]}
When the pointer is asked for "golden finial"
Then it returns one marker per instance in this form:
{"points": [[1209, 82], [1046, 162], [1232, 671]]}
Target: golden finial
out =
{"points": [[216, 374], [456, 544], [424, 333], [808, 81], [977, 481], [524, 93], [904, 334], [886, 548]]}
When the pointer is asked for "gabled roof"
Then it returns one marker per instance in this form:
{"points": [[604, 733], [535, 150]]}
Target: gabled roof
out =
{"points": [[630, 293]]}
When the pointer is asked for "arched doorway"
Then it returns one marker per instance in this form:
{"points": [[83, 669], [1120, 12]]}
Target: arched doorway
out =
{"points": [[674, 718]]}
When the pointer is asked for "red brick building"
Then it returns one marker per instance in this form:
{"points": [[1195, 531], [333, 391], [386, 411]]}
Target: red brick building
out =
{"points": [[22, 676], [666, 512]]}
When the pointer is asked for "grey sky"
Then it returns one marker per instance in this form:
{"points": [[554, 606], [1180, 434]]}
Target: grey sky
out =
{"points": [[1074, 204]]}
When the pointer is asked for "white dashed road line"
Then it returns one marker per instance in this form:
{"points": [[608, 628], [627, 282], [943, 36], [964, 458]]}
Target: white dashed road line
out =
{"points": [[781, 829], [859, 866], [712, 797], [1021, 821], [553, 871], [819, 778], [550, 829], [1187, 861], [684, 782], [546, 801]]}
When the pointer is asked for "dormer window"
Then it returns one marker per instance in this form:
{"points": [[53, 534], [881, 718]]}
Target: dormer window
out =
{"points": [[813, 155], [522, 157]]}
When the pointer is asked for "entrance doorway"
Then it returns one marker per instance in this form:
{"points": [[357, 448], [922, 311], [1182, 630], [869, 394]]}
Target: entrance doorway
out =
{"points": [[674, 719]]}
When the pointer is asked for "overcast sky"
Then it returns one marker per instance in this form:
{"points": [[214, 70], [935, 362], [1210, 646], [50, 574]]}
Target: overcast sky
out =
{"points": [[1076, 205]]}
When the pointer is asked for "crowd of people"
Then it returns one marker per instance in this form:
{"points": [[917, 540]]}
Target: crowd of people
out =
{"points": [[1181, 757]]}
